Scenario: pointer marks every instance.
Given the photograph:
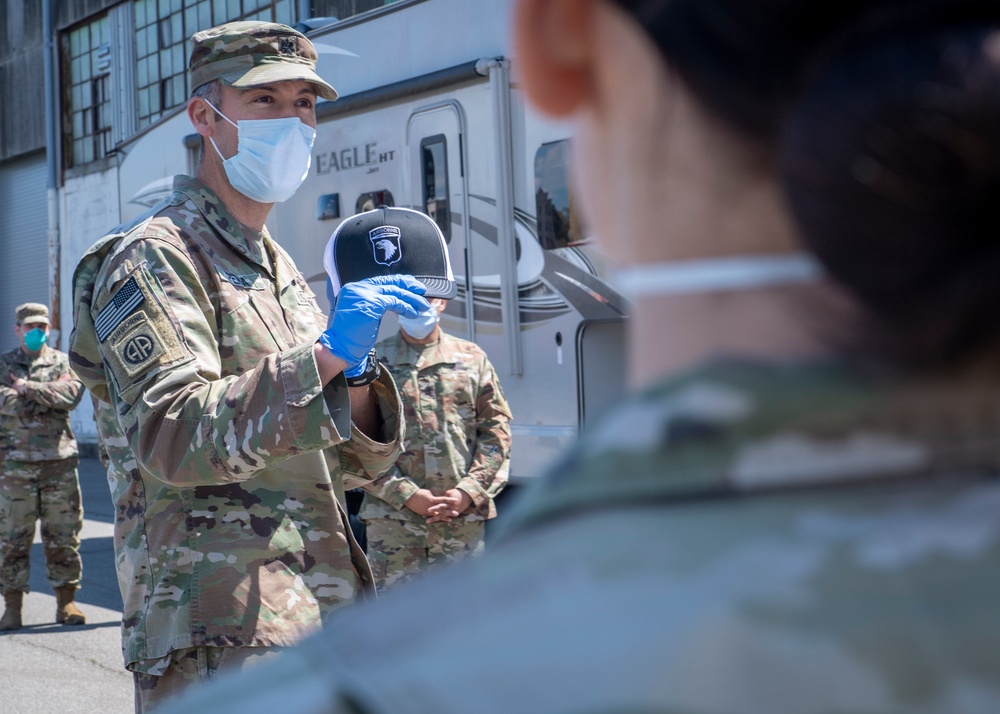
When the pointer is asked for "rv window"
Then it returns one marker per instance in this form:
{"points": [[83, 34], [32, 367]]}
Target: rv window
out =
{"points": [[434, 170], [370, 201], [558, 223]]}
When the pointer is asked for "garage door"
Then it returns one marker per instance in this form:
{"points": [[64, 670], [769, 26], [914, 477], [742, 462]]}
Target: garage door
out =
{"points": [[24, 272]]}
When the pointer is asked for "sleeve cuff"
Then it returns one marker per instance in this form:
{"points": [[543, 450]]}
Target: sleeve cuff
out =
{"points": [[401, 494]]}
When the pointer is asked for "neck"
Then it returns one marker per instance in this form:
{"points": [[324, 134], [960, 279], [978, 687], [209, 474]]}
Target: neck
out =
{"points": [[433, 337], [245, 210], [671, 333]]}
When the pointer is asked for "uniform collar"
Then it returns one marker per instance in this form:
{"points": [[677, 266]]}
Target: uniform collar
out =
{"points": [[247, 242], [421, 356], [743, 427], [44, 355]]}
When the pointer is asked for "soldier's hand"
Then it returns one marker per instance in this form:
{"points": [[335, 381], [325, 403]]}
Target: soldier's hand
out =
{"points": [[359, 310], [32, 409], [454, 502], [423, 501]]}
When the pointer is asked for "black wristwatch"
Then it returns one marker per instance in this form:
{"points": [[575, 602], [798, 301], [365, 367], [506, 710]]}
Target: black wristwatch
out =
{"points": [[371, 373]]}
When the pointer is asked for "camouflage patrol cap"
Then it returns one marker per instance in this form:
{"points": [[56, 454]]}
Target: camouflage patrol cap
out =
{"points": [[31, 312], [249, 54]]}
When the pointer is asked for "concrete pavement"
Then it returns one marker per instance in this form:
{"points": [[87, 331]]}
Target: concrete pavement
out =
{"points": [[52, 669]]}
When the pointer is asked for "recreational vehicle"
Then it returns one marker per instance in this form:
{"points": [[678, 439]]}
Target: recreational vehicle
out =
{"points": [[430, 117]]}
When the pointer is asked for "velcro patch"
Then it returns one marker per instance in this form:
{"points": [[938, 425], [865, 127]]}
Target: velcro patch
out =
{"points": [[145, 338], [250, 281], [137, 343], [122, 303]]}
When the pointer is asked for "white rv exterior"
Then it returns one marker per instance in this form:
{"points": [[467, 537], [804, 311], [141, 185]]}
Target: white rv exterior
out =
{"points": [[428, 118]]}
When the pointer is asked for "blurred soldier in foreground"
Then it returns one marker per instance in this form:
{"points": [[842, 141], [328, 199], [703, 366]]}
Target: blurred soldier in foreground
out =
{"points": [[798, 511], [224, 406], [38, 482], [431, 507]]}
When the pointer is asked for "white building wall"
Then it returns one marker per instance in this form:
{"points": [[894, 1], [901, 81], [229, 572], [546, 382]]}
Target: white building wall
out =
{"points": [[88, 208]]}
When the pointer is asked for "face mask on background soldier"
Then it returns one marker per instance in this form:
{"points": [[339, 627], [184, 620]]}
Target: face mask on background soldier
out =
{"points": [[34, 339], [422, 325]]}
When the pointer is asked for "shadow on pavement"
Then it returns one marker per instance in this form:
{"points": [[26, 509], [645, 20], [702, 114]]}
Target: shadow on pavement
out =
{"points": [[50, 628]]}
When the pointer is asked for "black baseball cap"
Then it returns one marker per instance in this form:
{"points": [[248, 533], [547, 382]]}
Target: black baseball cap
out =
{"points": [[390, 241]]}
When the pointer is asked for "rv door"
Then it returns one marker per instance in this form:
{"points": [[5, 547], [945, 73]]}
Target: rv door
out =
{"points": [[439, 187]]}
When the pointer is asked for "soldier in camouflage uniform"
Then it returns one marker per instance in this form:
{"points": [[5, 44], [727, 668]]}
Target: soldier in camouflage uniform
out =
{"points": [[798, 512], [39, 480], [224, 407], [432, 506]]}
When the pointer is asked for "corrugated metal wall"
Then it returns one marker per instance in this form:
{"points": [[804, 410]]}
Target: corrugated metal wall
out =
{"points": [[24, 272]]}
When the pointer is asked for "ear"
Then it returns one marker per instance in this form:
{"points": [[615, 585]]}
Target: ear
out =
{"points": [[201, 116], [553, 41]]}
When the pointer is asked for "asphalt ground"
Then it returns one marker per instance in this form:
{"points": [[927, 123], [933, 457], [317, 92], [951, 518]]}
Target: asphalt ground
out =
{"points": [[54, 669]]}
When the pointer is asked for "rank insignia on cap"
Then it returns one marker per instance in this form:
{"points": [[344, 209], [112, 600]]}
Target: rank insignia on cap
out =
{"points": [[121, 305], [385, 242]]}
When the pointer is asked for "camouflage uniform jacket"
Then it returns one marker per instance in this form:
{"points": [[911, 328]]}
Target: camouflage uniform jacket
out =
{"points": [[197, 344], [35, 427], [746, 538], [457, 428]]}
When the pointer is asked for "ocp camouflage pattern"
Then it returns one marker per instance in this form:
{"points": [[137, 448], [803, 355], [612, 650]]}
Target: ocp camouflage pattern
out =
{"points": [[457, 428], [764, 539], [46, 491], [35, 427], [196, 337]]}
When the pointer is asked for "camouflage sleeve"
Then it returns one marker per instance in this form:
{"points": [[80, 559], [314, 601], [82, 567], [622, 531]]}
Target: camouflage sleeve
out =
{"points": [[13, 404], [151, 321], [394, 487], [62, 393], [362, 459], [489, 468]]}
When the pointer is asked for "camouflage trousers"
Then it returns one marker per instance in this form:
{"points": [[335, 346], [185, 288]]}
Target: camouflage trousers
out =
{"points": [[399, 550], [46, 491], [190, 667]]}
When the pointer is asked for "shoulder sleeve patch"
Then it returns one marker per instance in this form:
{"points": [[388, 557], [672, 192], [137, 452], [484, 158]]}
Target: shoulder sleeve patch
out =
{"points": [[122, 303], [135, 332]]}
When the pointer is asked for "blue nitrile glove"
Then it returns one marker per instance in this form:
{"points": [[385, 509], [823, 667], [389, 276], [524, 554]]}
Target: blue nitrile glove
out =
{"points": [[358, 312]]}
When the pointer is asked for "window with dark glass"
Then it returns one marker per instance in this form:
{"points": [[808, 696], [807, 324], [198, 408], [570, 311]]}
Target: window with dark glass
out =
{"points": [[558, 223], [372, 200], [162, 30], [434, 174], [87, 50]]}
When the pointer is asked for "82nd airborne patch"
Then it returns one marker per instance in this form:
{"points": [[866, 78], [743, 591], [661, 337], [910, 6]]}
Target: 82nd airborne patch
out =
{"points": [[135, 332]]}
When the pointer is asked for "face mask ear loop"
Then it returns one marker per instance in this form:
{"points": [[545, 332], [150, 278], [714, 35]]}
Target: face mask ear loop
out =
{"points": [[216, 110]]}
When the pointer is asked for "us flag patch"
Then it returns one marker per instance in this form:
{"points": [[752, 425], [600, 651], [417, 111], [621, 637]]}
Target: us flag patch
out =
{"points": [[127, 299]]}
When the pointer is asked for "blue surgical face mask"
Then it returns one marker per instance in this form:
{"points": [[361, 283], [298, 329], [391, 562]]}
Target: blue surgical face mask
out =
{"points": [[34, 339], [422, 325], [272, 159]]}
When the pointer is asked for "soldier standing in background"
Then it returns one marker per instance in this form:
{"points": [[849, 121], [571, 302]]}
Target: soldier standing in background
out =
{"points": [[432, 506], [39, 480]]}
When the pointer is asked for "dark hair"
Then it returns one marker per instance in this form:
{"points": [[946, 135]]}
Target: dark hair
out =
{"points": [[884, 120]]}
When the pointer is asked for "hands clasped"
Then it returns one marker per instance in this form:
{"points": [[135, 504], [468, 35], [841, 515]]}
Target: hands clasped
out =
{"points": [[445, 507], [359, 310]]}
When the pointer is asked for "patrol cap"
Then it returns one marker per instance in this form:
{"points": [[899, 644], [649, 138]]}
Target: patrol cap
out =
{"points": [[249, 54], [31, 312], [390, 241]]}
